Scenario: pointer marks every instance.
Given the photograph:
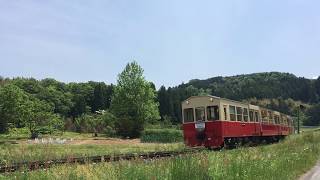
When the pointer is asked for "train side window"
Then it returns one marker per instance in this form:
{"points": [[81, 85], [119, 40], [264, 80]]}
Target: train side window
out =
{"points": [[212, 113], [270, 117], [200, 114], [256, 116], [245, 115], [283, 120], [275, 119], [232, 111], [239, 113], [251, 116], [188, 115], [264, 115]]}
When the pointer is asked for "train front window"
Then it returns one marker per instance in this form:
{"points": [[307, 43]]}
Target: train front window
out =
{"points": [[188, 115], [200, 114], [212, 113]]}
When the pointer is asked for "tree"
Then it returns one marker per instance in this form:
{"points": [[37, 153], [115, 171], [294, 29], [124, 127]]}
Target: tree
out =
{"points": [[100, 97], [165, 103], [12, 99], [60, 100], [133, 102], [36, 115], [82, 95]]}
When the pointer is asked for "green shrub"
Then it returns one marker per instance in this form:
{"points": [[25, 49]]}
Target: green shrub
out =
{"points": [[161, 136]]}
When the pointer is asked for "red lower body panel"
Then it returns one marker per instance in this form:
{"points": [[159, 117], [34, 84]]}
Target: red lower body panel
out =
{"points": [[215, 132]]}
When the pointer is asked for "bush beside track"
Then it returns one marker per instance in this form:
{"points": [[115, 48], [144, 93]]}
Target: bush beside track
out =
{"points": [[161, 136]]}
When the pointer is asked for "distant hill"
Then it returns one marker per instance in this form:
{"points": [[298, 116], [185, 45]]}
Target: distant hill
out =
{"points": [[284, 89], [259, 85]]}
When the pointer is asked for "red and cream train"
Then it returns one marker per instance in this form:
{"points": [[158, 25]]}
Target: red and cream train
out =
{"points": [[215, 122]]}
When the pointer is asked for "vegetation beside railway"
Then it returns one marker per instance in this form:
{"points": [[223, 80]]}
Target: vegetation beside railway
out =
{"points": [[162, 136], [285, 160], [15, 150]]}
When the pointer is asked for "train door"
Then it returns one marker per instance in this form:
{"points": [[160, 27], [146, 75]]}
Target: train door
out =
{"points": [[252, 120], [257, 122]]}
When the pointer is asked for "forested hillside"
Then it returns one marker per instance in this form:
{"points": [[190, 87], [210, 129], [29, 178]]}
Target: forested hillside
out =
{"points": [[78, 106], [279, 91]]}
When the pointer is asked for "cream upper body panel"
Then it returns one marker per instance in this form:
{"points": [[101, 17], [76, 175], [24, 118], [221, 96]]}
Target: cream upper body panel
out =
{"points": [[200, 101], [276, 113], [256, 108]]}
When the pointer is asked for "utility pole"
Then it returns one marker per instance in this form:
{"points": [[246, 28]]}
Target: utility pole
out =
{"points": [[299, 120]]}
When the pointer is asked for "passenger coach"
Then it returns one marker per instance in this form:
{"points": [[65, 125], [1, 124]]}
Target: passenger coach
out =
{"points": [[215, 122]]}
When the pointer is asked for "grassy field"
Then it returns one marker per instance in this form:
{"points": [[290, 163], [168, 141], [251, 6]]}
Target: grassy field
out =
{"points": [[15, 148], [24, 134], [286, 160], [309, 128]]}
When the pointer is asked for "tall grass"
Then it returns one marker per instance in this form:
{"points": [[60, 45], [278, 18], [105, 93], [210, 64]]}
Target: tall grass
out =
{"points": [[10, 153], [285, 160]]}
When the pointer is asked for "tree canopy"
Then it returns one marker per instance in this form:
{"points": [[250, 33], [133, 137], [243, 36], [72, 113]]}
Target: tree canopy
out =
{"points": [[133, 101]]}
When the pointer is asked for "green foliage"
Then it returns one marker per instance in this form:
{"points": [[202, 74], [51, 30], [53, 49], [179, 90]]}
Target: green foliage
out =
{"points": [[12, 99], [82, 97], [313, 116], [162, 136], [96, 123], [288, 106], [83, 123], [101, 97], [38, 117], [21, 109], [133, 102]]}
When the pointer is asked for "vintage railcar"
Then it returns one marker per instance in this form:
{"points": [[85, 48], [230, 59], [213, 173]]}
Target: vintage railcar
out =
{"points": [[216, 122]]}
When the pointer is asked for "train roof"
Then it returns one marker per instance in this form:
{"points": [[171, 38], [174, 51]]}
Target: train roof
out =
{"points": [[216, 97], [225, 99]]}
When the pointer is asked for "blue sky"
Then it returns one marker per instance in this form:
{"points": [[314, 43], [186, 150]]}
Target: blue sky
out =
{"points": [[173, 40]]}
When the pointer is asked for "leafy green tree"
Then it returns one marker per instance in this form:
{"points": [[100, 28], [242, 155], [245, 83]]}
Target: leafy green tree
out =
{"points": [[100, 97], [133, 102], [36, 115], [61, 101], [12, 99], [165, 103], [82, 95]]}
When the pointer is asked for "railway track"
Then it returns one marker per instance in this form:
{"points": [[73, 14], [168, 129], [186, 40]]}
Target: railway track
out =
{"points": [[35, 165]]}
